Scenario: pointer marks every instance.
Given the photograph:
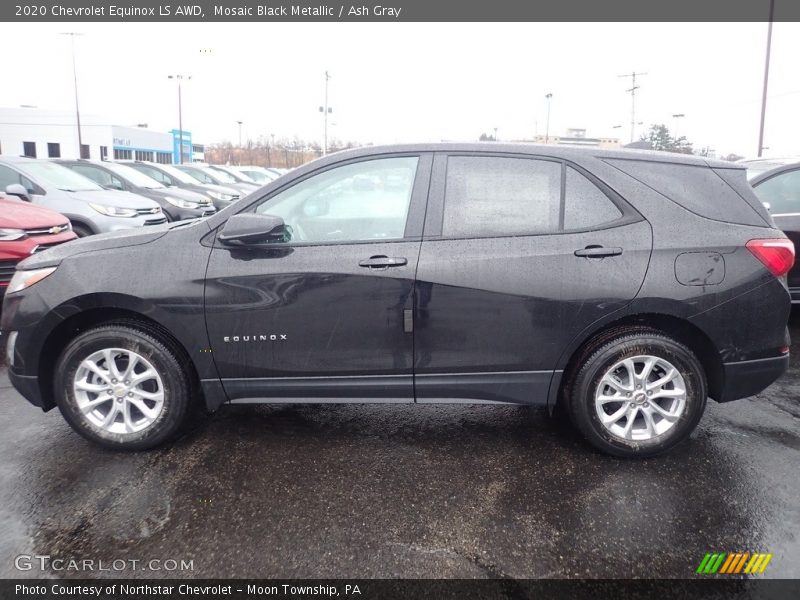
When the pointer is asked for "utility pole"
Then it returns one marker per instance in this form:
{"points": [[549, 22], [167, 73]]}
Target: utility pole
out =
{"points": [[549, 97], [72, 35], [766, 80], [325, 110], [180, 78], [633, 75], [495, 134], [240, 132]]}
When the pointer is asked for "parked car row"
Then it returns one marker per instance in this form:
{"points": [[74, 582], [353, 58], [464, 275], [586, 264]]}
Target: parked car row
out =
{"points": [[47, 202], [103, 196]]}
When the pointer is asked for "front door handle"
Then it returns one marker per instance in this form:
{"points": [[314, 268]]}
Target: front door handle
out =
{"points": [[382, 262], [598, 252]]}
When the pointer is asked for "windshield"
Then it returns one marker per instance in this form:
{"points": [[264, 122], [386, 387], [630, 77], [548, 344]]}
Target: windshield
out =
{"points": [[236, 175], [220, 175], [60, 177], [133, 176], [175, 173]]}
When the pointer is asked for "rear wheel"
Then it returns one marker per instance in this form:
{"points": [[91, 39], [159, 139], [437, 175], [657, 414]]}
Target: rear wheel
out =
{"points": [[122, 387], [638, 394]]}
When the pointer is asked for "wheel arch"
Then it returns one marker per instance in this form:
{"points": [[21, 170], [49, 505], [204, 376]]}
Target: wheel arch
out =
{"points": [[94, 310], [679, 328]]}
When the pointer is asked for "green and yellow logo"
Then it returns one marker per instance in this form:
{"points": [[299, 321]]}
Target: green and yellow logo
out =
{"points": [[733, 563]]}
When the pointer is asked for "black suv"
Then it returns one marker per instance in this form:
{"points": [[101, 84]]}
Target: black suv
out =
{"points": [[623, 287]]}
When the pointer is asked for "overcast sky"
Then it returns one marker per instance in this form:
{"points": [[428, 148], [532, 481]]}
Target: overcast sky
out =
{"points": [[417, 82]]}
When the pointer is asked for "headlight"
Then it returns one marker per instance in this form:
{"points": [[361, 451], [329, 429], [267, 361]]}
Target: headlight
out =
{"points": [[114, 211], [9, 235], [181, 203], [22, 280], [219, 195]]}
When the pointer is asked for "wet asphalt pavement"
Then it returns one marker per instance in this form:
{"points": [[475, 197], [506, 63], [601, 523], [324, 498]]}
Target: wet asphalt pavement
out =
{"points": [[404, 491]]}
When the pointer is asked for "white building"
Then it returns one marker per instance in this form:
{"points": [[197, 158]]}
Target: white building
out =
{"points": [[40, 133]]}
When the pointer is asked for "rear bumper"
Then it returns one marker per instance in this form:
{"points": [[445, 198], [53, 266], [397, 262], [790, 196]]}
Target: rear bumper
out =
{"points": [[750, 377]]}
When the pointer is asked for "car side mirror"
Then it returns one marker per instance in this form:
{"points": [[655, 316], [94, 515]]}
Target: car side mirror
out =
{"points": [[15, 189], [767, 205], [248, 228]]}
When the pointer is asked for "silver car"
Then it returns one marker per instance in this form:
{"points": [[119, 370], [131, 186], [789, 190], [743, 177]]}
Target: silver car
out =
{"points": [[89, 207]]}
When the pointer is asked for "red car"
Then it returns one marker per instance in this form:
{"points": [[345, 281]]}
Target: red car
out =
{"points": [[24, 230]]}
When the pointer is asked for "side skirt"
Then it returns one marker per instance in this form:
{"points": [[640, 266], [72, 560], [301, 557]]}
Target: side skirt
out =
{"points": [[509, 387]]}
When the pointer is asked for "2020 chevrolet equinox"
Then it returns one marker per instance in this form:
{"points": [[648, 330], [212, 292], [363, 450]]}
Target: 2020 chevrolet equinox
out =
{"points": [[624, 287]]}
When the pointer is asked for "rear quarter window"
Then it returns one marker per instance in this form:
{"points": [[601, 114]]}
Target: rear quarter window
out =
{"points": [[698, 189]]}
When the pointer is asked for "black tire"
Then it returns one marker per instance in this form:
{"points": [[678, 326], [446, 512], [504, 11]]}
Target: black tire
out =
{"points": [[148, 344], [593, 365], [82, 230]]}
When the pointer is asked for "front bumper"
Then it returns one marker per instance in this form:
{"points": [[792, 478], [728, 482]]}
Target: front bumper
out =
{"points": [[750, 377], [28, 387]]}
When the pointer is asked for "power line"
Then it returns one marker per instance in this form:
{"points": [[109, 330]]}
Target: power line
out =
{"points": [[633, 75]]}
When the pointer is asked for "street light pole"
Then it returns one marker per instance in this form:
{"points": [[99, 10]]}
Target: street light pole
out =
{"points": [[676, 117], [179, 78], [240, 133], [547, 126], [326, 110], [72, 35], [766, 80]]}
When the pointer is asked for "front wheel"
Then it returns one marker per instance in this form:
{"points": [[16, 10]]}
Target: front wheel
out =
{"points": [[638, 395], [122, 387]]}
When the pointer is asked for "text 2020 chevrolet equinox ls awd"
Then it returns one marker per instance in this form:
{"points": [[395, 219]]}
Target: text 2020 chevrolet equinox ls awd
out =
{"points": [[625, 287]]}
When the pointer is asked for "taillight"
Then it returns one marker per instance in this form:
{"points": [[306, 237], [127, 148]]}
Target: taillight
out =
{"points": [[776, 254]]}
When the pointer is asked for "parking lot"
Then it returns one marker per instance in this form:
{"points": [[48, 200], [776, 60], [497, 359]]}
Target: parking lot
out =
{"points": [[404, 491]]}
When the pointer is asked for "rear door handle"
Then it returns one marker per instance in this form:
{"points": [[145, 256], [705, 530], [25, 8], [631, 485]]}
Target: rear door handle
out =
{"points": [[598, 252], [382, 262]]}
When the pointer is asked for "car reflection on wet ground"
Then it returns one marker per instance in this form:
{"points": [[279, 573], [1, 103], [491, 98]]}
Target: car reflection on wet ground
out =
{"points": [[404, 491]]}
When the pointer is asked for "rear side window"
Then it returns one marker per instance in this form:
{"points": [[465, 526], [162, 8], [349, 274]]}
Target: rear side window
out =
{"points": [[498, 196], [696, 188], [489, 196], [781, 192], [585, 205]]}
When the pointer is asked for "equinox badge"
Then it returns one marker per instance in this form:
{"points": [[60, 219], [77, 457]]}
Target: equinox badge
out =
{"points": [[269, 337]]}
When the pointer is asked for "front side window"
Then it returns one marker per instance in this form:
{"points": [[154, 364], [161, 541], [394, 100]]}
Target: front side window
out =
{"points": [[498, 196], [364, 201], [781, 192]]}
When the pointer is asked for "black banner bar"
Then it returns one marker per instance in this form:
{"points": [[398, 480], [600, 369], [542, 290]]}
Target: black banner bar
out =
{"points": [[397, 10], [382, 589]]}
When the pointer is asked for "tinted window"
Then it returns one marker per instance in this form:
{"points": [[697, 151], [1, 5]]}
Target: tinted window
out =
{"points": [[695, 187], [782, 192], [357, 202], [585, 205], [487, 196]]}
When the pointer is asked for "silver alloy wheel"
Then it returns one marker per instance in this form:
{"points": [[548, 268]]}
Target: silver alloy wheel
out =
{"points": [[118, 391], [640, 398]]}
